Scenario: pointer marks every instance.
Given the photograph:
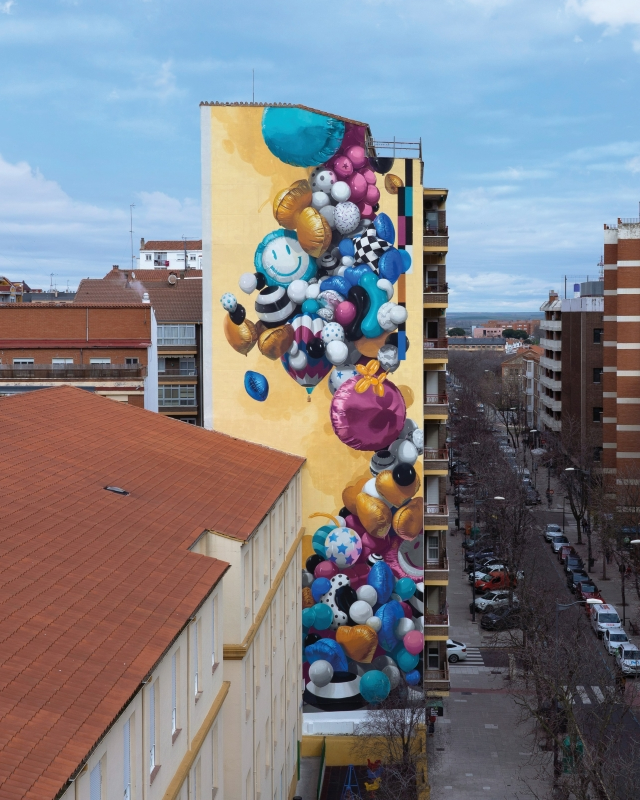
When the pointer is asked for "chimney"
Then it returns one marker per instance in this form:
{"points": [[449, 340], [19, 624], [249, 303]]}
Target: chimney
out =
{"points": [[142, 244], [115, 266], [145, 298]]}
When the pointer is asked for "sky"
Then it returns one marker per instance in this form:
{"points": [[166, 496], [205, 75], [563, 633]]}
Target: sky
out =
{"points": [[528, 114]]}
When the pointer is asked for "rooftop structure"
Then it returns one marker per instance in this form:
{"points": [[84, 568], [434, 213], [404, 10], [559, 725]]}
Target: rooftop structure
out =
{"points": [[171, 254]]}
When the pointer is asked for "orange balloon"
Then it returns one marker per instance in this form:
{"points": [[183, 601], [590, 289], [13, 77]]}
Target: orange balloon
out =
{"points": [[274, 342], [288, 204], [314, 232], [393, 492], [374, 514], [351, 492], [358, 642], [370, 347], [408, 521], [307, 598], [241, 337]]}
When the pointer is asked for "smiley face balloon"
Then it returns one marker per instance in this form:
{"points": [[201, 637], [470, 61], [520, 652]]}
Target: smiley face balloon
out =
{"points": [[281, 259]]}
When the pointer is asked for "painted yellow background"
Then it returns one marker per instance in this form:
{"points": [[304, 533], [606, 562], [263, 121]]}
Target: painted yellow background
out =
{"points": [[245, 177]]}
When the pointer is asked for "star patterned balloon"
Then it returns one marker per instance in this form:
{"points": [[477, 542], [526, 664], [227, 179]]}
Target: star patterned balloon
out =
{"points": [[344, 547]]}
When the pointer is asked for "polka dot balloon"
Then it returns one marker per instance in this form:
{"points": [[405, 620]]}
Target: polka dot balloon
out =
{"points": [[332, 332], [229, 302]]}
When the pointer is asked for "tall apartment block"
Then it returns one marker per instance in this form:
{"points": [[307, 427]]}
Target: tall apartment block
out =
{"points": [[550, 388], [436, 412], [621, 341]]}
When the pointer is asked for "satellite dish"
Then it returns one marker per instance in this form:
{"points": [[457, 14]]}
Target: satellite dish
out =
{"points": [[172, 279]]}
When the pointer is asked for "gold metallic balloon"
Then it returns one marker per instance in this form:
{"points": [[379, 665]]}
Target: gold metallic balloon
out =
{"points": [[274, 342], [241, 337], [358, 642], [351, 492], [408, 521], [392, 491], [392, 183], [307, 598], [370, 347], [314, 232], [374, 514], [288, 204]]}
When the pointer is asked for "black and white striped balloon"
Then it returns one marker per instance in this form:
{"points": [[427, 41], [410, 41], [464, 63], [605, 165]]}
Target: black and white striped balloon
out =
{"points": [[274, 306]]}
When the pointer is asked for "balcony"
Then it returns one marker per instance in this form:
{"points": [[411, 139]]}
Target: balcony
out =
{"points": [[436, 349], [551, 363], [436, 460], [437, 680], [436, 625], [72, 372], [551, 325], [178, 372], [551, 344], [436, 515], [437, 570], [436, 404], [161, 264], [548, 421], [436, 294], [550, 403], [435, 241], [550, 383], [439, 231]]}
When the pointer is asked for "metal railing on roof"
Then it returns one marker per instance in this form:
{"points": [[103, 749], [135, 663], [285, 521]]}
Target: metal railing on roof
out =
{"points": [[396, 146]]}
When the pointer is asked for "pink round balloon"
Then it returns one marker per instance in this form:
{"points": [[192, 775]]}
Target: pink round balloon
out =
{"points": [[373, 194], [358, 574], [408, 612], [342, 166], [354, 523], [357, 156], [358, 187], [371, 544], [326, 569], [345, 312], [369, 175], [413, 642], [353, 134], [365, 209], [367, 421]]}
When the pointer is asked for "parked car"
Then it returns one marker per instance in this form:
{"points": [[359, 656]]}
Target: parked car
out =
{"points": [[557, 543], [497, 579], [628, 659], [485, 572], [501, 620], [479, 553], [612, 638], [565, 551], [573, 563], [604, 617], [484, 565], [456, 651], [574, 578], [552, 530], [588, 589], [532, 496], [492, 600]]}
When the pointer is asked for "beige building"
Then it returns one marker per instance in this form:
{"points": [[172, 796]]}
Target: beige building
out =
{"points": [[158, 657]]}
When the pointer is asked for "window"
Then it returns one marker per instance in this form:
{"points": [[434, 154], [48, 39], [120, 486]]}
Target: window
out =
{"points": [[176, 334], [173, 365], [22, 362], [153, 690], [126, 736], [247, 583], [61, 362], [433, 658], [214, 613], [192, 258], [597, 453], [597, 374], [597, 414], [433, 549], [176, 395], [100, 361], [197, 636], [174, 692], [147, 257], [95, 782], [130, 362], [598, 333]]}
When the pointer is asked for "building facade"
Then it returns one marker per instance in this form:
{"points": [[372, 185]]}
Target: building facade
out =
{"points": [[107, 349], [177, 254], [550, 395]]}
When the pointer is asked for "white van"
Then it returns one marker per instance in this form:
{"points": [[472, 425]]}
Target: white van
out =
{"points": [[603, 616]]}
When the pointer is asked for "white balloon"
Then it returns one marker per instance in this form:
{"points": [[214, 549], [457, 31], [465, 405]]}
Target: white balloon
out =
{"points": [[407, 452], [321, 672], [393, 673], [340, 191], [368, 594], [347, 261], [375, 623], [360, 612], [370, 489], [297, 291], [398, 314], [319, 200], [419, 623], [293, 349], [386, 286], [329, 213], [403, 627], [341, 270], [299, 361], [313, 290], [417, 437], [307, 578], [248, 282], [336, 352], [342, 523]]}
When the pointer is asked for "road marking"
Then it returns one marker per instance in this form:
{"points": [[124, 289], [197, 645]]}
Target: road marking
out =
{"points": [[459, 701], [598, 693], [583, 695], [495, 727]]}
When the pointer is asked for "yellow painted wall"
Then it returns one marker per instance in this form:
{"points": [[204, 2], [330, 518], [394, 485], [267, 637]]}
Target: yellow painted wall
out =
{"points": [[244, 178]]}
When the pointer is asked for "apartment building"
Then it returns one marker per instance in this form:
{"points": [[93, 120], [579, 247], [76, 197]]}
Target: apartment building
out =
{"points": [[177, 254], [621, 343], [162, 609], [176, 298], [529, 326], [520, 370], [110, 350], [550, 395]]}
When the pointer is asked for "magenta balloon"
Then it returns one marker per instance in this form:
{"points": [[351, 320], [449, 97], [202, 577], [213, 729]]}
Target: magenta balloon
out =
{"points": [[354, 523], [369, 175], [373, 194], [366, 421], [366, 209], [345, 313], [358, 187], [371, 544], [413, 642], [326, 569], [357, 156], [358, 574], [342, 166], [408, 612]]}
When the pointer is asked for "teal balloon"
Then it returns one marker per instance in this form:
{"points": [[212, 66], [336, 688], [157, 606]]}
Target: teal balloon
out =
{"points": [[323, 616], [405, 588], [377, 297], [374, 686], [318, 541], [310, 306], [309, 617], [404, 659], [300, 137]]}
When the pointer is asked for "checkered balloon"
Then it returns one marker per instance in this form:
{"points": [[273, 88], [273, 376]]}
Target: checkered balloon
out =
{"points": [[369, 247]]}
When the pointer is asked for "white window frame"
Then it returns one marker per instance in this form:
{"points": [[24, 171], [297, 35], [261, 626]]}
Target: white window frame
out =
{"points": [[22, 362], [95, 782], [152, 726], [100, 361], [61, 362], [174, 693], [126, 735]]}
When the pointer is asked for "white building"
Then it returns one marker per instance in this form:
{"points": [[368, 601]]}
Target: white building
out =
{"points": [[550, 396], [170, 254]]}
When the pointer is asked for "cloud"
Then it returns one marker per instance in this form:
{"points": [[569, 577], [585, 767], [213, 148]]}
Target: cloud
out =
{"points": [[5, 8], [514, 174], [633, 165], [493, 291], [613, 13]]}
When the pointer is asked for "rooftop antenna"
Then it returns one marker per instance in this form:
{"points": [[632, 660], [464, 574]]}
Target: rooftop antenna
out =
{"points": [[51, 274], [131, 207], [186, 266], [253, 93]]}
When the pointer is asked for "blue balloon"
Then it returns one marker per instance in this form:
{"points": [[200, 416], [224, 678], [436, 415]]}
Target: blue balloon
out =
{"points": [[413, 678], [308, 617], [319, 587], [391, 265], [374, 686], [389, 615], [406, 257], [382, 580], [256, 385], [300, 137], [405, 588], [404, 659], [318, 541], [384, 228], [346, 248], [310, 306], [324, 616], [327, 650], [370, 326], [336, 283], [353, 274]]}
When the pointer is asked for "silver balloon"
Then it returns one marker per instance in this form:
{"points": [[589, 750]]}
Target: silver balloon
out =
{"points": [[393, 673], [381, 662], [307, 578], [321, 672]]}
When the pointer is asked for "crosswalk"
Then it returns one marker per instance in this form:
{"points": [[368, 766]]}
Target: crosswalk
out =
{"points": [[473, 659], [583, 694]]}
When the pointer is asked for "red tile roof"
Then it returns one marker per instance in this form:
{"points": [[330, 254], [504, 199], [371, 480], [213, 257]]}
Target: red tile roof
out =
{"points": [[95, 586], [163, 245], [180, 302], [146, 275]]}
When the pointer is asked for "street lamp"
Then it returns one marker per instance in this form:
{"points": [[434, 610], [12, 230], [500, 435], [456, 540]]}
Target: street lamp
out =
{"points": [[591, 601]]}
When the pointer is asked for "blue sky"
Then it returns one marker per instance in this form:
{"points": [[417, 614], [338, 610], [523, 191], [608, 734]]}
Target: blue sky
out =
{"points": [[528, 113]]}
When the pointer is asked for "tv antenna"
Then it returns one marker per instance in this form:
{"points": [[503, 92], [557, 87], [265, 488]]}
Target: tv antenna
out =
{"points": [[51, 274]]}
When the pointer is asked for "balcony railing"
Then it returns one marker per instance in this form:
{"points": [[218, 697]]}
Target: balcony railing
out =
{"points": [[157, 263], [436, 624], [430, 344], [436, 231], [431, 454], [436, 679], [179, 372], [441, 563], [436, 399], [437, 570], [430, 240], [436, 288], [72, 372]]}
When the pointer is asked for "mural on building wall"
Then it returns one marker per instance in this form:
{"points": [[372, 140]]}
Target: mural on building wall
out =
{"points": [[326, 299]]}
